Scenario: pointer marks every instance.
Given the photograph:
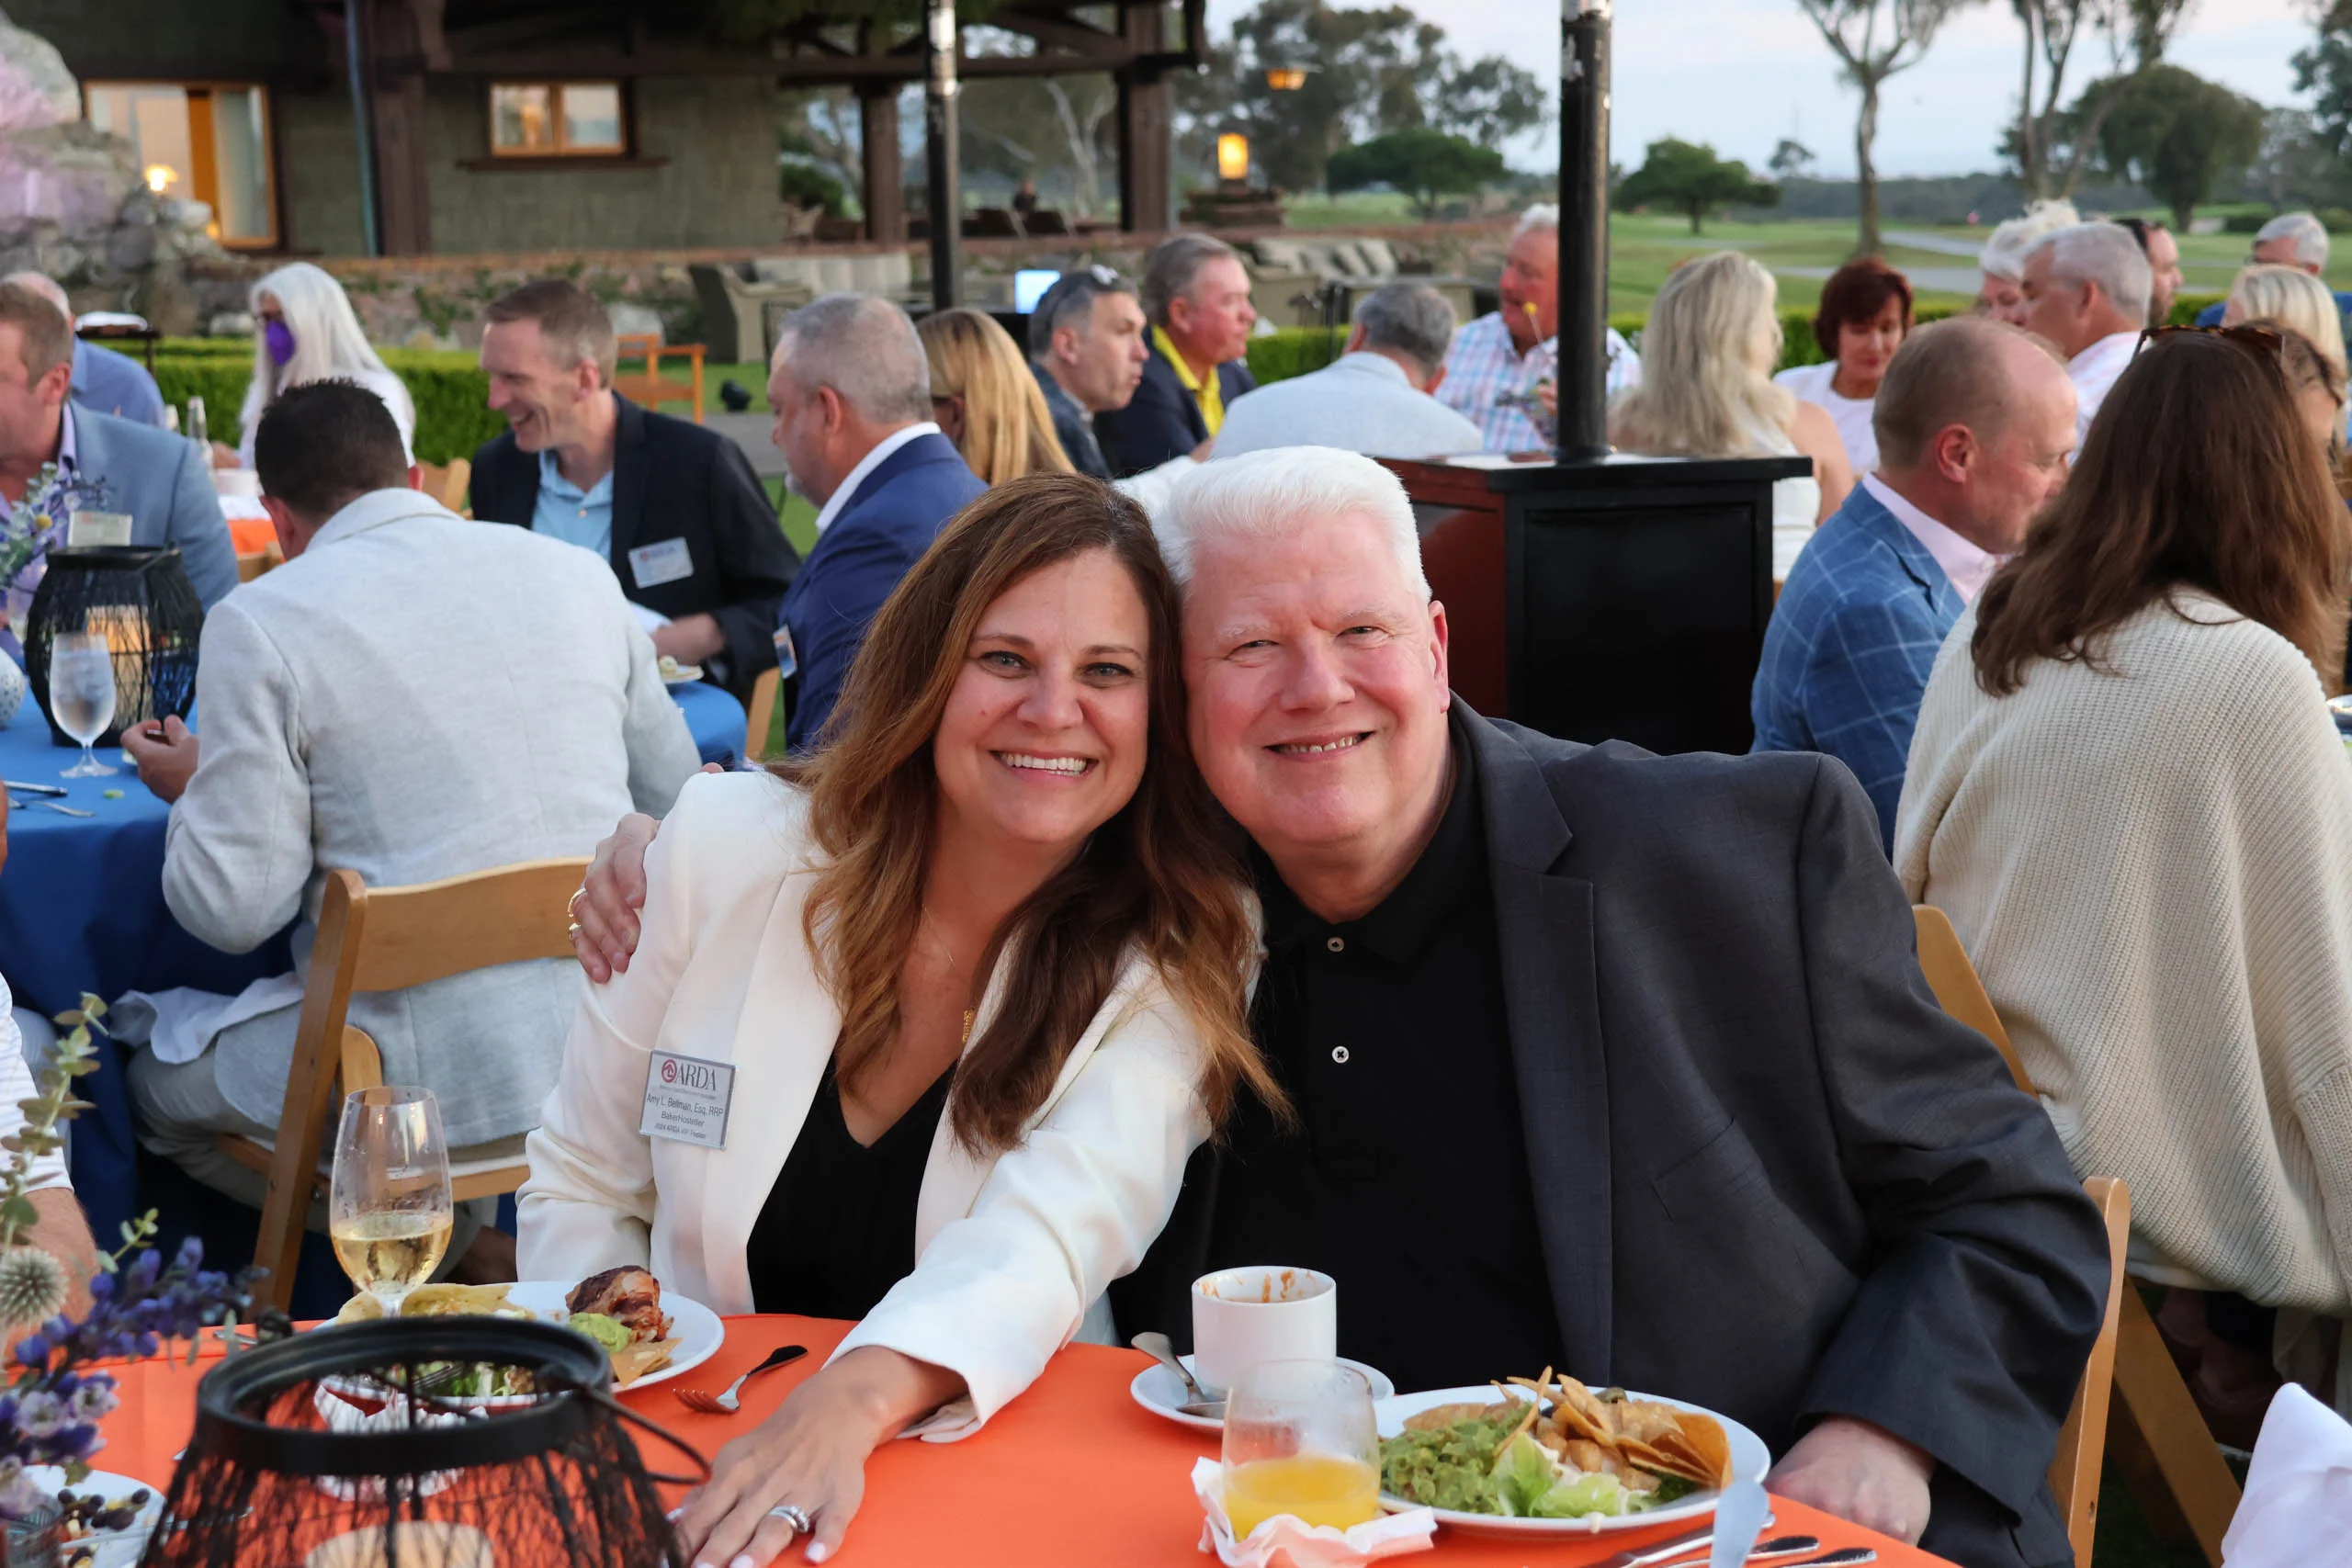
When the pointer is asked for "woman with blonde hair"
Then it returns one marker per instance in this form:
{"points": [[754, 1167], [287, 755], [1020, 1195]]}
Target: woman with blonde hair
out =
{"points": [[2293, 299], [978, 967], [984, 398], [1707, 392], [306, 331]]}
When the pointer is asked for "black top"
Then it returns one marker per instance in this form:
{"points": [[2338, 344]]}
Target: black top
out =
{"points": [[1162, 420], [673, 479], [1411, 1187], [838, 1229]]}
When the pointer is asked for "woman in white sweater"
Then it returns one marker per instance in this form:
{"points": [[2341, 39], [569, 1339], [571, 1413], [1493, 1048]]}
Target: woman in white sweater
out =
{"points": [[2126, 791], [973, 977]]}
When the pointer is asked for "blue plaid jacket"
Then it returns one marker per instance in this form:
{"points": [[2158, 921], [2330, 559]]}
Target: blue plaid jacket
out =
{"points": [[1851, 643]]}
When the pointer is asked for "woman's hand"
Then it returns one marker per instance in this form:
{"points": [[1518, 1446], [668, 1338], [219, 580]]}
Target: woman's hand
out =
{"points": [[811, 1454]]}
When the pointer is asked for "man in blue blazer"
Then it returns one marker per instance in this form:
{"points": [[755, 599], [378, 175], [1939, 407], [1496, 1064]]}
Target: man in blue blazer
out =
{"points": [[1196, 295], [154, 477], [1975, 424], [852, 393]]}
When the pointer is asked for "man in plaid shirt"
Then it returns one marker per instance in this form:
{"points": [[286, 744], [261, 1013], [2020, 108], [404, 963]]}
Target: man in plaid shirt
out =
{"points": [[1500, 359], [1975, 424]]}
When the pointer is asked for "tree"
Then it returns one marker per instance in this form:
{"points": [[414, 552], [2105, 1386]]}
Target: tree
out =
{"points": [[1870, 54], [1426, 164], [1692, 180], [2324, 71], [2139, 30], [2178, 134], [1789, 160]]}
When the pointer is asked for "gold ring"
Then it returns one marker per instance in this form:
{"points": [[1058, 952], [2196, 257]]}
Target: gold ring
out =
{"points": [[572, 906], [572, 929]]}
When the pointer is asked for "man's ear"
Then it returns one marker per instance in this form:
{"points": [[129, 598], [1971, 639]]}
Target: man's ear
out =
{"points": [[57, 383], [836, 411], [282, 518], [415, 475], [1440, 637], [1954, 450]]}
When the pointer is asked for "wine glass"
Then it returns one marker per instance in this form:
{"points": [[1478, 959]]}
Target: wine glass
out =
{"points": [[390, 1209], [81, 694], [1300, 1440]]}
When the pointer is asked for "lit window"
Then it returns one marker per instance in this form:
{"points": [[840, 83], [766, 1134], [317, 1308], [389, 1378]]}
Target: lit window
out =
{"points": [[199, 142], [551, 119]]}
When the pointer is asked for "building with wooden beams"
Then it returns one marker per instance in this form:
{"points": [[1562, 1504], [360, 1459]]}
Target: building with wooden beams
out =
{"points": [[477, 126]]}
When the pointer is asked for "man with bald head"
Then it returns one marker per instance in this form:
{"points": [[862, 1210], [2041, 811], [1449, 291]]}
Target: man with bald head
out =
{"points": [[104, 381], [852, 393], [1976, 424]]}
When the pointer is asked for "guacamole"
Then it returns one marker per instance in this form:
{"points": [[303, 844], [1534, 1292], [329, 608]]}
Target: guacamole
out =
{"points": [[606, 1331]]}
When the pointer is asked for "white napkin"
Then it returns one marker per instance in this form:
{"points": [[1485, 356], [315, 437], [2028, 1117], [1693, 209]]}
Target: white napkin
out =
{"points": [[1318, 1546], [1740, 1514], [2297, 1505]]}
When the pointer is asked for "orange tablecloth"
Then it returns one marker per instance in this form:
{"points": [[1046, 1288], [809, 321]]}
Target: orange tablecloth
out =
{"points": [[1114, 1481], [250, 535]]}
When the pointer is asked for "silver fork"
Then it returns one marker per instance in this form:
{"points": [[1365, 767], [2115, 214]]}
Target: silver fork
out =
{"points": [[52, 806], [728, 1403]]}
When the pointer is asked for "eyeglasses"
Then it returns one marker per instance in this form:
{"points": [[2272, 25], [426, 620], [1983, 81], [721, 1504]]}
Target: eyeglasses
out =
{"points": [[2259, 340]]}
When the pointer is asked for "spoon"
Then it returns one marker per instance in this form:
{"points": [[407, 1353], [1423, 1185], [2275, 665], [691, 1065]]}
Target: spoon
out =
{"points": [[1159, 1348], [1850, 1554]]}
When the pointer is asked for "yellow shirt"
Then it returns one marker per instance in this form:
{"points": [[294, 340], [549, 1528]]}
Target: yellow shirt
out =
{"points": [[1209, 394]]}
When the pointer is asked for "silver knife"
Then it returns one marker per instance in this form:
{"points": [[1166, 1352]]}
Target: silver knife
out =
{"points": [[32, 788], [1672, 1547]]}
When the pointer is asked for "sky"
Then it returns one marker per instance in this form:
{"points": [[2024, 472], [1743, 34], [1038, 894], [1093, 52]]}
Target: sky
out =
{"points": [[1740, 74]]}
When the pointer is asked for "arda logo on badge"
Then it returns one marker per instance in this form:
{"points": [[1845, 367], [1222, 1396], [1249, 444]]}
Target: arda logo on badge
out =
{"points": [[670, 1071]]}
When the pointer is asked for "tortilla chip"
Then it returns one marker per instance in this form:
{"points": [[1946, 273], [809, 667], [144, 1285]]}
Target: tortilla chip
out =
{"points": [[1438, 1418], [361, 1308], [631, 1362], [1578, 1415], [454, 1301], [1703, 1440]]}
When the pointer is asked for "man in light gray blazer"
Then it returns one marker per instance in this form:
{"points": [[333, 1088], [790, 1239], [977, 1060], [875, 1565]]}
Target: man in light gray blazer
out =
{"points": [[1374, 399], [156, 477], [412, 696]]}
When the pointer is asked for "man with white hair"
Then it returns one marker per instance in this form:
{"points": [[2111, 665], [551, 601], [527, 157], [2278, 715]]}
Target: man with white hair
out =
{"points": [[1507, 356], [2292, 239], [1374, 399], [1616, 1063], [104, 381], [2086, 291], [852, 393]]}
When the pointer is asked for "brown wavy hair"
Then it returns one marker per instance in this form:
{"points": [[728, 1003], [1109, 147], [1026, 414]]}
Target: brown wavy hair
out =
{"points": [[1857, 292], [2199, 474], [1160, 876]]}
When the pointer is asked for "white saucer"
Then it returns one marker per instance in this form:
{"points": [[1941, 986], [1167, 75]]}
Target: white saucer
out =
{"points": [[114, 1549], [1159, 1390]]}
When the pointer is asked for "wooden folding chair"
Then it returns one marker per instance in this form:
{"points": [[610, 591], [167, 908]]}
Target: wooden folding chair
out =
{"points": [[2156, 1402], [759, 716], [650, 387], [448, 484], [388, 940]]}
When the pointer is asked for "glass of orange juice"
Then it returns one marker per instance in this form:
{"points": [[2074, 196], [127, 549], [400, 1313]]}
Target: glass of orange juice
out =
{"points": [[1299, 1439]]}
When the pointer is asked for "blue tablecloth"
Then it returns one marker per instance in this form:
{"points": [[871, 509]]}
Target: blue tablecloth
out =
{"points": [[82, 909]]}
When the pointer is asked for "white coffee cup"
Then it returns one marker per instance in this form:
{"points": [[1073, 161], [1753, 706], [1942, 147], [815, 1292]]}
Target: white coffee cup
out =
{"points": [[1264, 1312]]}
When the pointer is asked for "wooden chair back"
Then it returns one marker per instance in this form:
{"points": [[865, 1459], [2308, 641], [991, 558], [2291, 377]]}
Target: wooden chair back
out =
{"points": [[2130, 1357], [447, 483], [387, 940], [760, 717], [649, 386]]}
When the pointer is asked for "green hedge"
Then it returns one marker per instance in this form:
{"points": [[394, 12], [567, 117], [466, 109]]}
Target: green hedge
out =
{"points": [[452, 394]]}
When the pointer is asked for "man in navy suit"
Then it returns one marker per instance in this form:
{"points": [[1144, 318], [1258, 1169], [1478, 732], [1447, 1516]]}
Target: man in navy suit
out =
{"points": [[1196, 294], [852, 393], [1975, 419], [153, 477]]}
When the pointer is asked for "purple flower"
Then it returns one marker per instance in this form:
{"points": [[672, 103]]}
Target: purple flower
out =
{"points": [[94, 1400], [41, 1413]]}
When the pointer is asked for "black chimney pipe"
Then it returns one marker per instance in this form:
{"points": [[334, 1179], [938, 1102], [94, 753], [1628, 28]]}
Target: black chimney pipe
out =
{"points": [[942, 159], [1583, 375]]}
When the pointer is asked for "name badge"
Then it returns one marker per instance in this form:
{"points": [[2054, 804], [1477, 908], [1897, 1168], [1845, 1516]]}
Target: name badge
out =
{"points": [[788, 659], [91, 530], [686, 1099], [653, 565]]}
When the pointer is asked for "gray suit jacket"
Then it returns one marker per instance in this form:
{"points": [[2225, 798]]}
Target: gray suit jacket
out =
{"points": [[161, 480], [414, 696]]}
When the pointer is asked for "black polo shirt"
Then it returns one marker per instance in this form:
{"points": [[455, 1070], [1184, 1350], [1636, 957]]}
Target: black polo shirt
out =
{"points": [[1408, 1181]]}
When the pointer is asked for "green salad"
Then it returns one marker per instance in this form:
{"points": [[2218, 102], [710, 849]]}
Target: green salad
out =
{"points": [[1477, 1466]]}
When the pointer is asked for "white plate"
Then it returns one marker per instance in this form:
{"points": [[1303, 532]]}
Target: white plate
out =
{"points": [[117, 1549], [1159, 1390], [1750, 1460], [696, 1327]]}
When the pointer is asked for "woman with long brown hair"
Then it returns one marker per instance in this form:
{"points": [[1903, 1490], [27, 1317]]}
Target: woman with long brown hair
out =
{"points": [[978, 968], [2126, 791]]}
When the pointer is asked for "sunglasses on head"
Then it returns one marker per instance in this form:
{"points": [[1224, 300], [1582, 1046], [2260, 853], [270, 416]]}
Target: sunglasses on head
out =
{"points": [[2259, 340]]}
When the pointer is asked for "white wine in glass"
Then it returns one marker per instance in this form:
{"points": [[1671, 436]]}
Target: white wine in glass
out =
{"points": [[81, 694], [390, 1209]]}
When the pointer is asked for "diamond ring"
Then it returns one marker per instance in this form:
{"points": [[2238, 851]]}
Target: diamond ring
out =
{"points": [[792, 1515]]}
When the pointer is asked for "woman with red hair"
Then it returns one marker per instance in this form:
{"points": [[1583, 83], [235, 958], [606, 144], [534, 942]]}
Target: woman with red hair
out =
{"points": [[1865, 314]]}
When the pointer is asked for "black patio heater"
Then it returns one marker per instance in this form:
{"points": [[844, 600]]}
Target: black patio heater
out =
{"points": [[942, 190], [1591, 594]]}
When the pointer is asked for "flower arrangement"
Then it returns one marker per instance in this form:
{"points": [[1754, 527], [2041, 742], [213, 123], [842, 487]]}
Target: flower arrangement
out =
{"points": [[53, 1400], [30, 529]]}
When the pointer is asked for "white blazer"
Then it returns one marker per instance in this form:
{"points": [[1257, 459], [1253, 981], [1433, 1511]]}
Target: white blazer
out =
{"points": [[1008, 1250]]}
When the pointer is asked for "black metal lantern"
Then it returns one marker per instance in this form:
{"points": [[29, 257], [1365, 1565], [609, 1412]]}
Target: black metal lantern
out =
{"points": [[309, 1454], [143, 602]]}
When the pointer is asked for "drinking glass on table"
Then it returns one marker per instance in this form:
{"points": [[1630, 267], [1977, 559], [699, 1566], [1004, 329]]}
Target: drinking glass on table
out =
{"points": [[390, 1208], [81, 694], [1300, 1440]]}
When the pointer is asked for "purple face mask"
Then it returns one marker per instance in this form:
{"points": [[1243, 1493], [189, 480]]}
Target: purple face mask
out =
{"points": [[278, 338]]}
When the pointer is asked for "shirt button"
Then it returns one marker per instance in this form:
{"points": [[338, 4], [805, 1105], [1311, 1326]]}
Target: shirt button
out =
{"points": [[1337, 945], [1339, 1055]]}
